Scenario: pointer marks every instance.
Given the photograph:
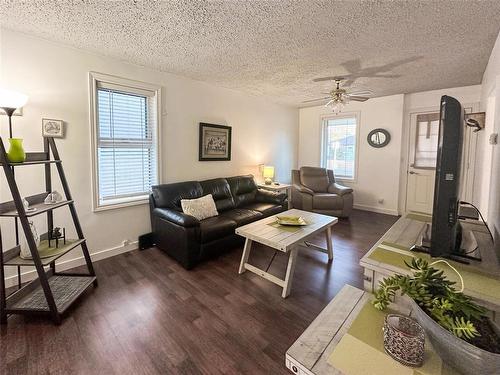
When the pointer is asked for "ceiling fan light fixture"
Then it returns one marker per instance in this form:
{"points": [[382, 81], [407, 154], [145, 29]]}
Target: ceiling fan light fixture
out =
{"points": [[337, 107]]}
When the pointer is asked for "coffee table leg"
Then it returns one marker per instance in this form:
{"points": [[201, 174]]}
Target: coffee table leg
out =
{"points": [[246, 254], [289, 272], [328, 233]]}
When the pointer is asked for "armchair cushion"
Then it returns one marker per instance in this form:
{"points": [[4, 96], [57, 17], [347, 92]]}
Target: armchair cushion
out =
{"points": [[327, 201], [339, 189], [176, 217], [315, 179], [266, 196]]}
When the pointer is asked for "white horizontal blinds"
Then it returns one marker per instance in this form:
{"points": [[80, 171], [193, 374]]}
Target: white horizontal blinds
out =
{"points": [[340, 146], [126, 142]]}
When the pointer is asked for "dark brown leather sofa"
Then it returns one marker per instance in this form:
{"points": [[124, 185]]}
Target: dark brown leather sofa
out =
{"points": [[188, 240]]}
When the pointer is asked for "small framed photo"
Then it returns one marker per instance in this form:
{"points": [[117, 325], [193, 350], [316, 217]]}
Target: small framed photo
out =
{"points": [[52, 128], [215, 142]]}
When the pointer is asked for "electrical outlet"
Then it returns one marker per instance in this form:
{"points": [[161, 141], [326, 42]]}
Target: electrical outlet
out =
{"points": [[125, 243], [493, 138]]}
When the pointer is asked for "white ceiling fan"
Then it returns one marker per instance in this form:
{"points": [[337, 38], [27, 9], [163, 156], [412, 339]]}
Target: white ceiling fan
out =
{"points": [[338, 97]]}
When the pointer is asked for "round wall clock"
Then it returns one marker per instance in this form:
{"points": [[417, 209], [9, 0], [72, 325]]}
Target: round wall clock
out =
{"points": [[379, 138]]}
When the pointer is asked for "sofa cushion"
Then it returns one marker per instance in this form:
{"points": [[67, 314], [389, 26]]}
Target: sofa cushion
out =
{"points": [[200, 208], [266, 209], [241, 216], [326, 201], [315, 179], [215, 228], [220, 190], [243, 189], [170, 195]]}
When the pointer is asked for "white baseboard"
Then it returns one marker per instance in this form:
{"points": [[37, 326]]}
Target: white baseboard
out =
{"points": [[380, 210], [75, 262]]}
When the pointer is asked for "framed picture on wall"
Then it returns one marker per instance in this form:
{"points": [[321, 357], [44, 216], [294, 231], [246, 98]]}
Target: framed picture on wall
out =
{"points": [[215, 142], [52, 128]]}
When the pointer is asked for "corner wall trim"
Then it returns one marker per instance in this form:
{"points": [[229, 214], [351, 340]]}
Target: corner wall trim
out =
{"points": [[75, 262], [380, 210]]}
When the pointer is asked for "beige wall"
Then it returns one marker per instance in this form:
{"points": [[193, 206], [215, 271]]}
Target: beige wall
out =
{"points": [[378, 169], [56, 79]]}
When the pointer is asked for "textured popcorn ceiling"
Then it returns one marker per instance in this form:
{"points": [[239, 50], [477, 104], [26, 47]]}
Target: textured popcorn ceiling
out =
{"points": [[277, 48]]}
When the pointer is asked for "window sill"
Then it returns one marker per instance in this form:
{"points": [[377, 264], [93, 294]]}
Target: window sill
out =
{"points": [[121, 203]]}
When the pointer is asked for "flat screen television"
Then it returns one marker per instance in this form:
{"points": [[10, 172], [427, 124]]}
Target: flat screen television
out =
{"points": [[446, 231]]}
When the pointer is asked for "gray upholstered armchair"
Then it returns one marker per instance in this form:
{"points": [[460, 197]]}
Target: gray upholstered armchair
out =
{"points": [[314, 189]]}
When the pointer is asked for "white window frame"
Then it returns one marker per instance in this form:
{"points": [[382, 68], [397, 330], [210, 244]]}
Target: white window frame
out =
{"points": [[94, 79], [323, 142]]}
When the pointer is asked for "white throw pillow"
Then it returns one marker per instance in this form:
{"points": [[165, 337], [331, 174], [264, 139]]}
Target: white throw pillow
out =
{"points": [[200, 208]]}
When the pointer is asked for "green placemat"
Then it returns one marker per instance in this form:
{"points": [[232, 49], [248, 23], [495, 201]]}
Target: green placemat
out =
{"points": [[364, 339], [419, 217], [474, 280]]}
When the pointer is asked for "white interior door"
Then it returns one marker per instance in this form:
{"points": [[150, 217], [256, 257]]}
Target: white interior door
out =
{"points": [[424, 131]]}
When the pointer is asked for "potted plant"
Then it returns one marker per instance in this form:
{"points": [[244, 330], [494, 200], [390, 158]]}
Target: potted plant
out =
{"points": [[457, 327]]}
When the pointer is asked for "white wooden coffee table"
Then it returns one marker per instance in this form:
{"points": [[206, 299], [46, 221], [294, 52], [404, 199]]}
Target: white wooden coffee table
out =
{"points": [[285, 239]]}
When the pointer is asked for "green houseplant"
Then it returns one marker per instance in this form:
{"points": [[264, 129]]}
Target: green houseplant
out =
{"points": [[458, 328]]}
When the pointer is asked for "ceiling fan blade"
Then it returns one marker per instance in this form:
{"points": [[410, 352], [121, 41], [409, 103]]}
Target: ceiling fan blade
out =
{"points": [[358, 98], [332, 78], [315, 100], [361, 93]]}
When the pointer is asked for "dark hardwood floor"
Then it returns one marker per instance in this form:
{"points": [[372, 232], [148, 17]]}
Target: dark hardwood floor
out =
{"points": [[150, 316]]}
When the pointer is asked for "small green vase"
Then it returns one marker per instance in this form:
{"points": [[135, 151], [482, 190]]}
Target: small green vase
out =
{"points": [[16, 152]]}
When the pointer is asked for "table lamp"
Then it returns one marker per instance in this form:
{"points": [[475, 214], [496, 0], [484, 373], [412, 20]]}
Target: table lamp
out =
{"points": [[9, 102], [268, 174]]}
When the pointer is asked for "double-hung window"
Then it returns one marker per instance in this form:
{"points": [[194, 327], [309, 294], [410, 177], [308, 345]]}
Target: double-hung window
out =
{"points": [[125, 140], [339, 146]]}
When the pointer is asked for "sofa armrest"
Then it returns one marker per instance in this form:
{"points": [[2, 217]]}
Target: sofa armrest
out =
{"points": [[266, 196], [339, 189], [303, 189], [176, 217]]}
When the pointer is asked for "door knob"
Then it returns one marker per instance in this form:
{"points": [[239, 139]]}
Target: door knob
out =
{"points": [[411, 172]]}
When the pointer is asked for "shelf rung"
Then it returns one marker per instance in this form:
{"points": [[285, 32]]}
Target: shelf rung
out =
{"points": [[8, 209], [36, 158], [64, 249]]}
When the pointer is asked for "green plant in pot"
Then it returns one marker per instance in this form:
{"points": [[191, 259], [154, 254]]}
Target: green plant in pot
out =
{"points": [[9, 102], [458, 328]]}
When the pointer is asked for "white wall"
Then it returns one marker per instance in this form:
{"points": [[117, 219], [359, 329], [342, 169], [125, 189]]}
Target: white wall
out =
{"points": [[490, 101], [378, 169], [56, 79]]}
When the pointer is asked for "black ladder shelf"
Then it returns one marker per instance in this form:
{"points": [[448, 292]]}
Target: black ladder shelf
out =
{"points": [[52, 293]]}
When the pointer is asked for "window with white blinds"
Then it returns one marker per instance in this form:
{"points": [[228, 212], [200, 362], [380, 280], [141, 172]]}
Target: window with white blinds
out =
{"points": [[126, 147], [339, 148]]}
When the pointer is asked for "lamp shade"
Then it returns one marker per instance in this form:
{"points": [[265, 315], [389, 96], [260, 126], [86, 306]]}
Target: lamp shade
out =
{"points": [[268, 171], [12, 99]]}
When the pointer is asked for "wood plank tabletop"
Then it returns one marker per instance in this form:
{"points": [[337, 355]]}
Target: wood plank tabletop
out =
{"points": [[282, 238]]}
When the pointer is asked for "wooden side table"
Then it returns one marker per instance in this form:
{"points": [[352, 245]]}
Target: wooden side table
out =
{"points": [[287, 188]]}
